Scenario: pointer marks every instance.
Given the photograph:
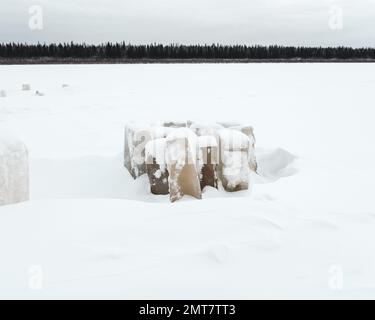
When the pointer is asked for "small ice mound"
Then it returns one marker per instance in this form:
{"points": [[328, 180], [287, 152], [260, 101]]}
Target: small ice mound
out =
{"points": [[275, 164], [39, 94], [26, 87], [3, 94], [65, 85]]}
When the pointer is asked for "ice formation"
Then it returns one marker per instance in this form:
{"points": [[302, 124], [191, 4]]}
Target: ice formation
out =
{"points": [[249, 131], [14, 171], [234, 168], [137, 135], [182, 158]]}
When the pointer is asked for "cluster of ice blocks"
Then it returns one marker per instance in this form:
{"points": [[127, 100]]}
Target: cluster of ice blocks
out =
{"points": [[14, 170], [182, 158]]}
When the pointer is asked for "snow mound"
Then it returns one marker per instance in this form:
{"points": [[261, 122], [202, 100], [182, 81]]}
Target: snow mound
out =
{"points": [[275, 164], [14, 170]]}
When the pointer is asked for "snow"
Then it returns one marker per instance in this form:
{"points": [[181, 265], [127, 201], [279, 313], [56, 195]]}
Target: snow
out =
{"points": [[206, 129], [233, 140], [207, 141], [156, 149], [137, 135], [181, 145], [208, 151], [181, 158], [14, 170], [236, 170], [94, 232], [159, 132]]}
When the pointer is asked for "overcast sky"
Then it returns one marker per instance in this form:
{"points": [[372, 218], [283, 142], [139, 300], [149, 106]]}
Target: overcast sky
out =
{"points": [[285, 22]]}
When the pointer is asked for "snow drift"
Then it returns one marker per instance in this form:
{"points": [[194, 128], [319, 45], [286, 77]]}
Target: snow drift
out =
{"points": [[95, 232]]}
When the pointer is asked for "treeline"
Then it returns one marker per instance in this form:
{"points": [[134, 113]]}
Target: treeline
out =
{"points": [[158, 51]]}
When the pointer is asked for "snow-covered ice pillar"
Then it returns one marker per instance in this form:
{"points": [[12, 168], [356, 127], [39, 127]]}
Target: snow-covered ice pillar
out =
{"points": [[136, 138], [14, 170], [181, 156], [234, 169], [249, 131], [156, 166], [137, 135]]}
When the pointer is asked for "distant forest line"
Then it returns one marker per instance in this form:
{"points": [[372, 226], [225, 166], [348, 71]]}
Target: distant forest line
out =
{"points": [[121, 52]]}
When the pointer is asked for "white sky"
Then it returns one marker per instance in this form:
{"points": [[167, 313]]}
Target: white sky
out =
{"points": [[285, 22]]}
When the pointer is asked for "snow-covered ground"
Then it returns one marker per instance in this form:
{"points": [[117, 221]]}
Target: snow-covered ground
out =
{"points": [[307, 229]]}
